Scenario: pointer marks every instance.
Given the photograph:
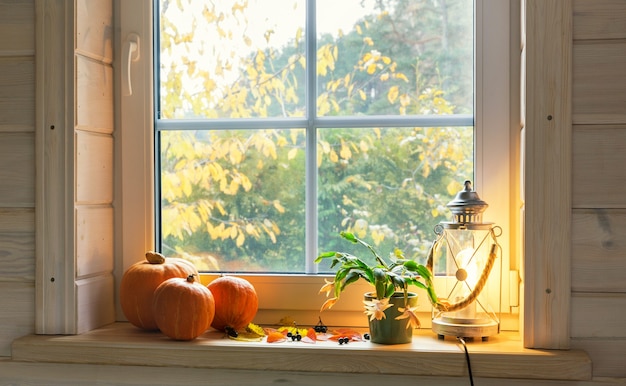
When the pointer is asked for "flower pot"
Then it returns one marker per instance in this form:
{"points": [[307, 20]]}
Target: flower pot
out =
{"points": [[390, 330]]}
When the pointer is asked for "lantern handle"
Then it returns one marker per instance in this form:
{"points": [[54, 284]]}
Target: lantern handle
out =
{"points": [[443, 304]]}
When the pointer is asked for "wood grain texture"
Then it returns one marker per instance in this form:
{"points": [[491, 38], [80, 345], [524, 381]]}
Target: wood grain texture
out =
{"points": [[17, 94], [94, 240], [598, 174], [94, 168], [599, 250], [123, 344], [93, 162], [17, 220], [17, 153], [599, 19], [17, 315], [94, 95], [94, 29], [54, 374], [599, 89], [94, 301], [17, 27], [607, 355], [598, 315], [547, 172], [55, 99], [17, 256]]}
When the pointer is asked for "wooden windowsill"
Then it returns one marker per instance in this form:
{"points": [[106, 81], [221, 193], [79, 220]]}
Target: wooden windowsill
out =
{"points": [[501, 356]]}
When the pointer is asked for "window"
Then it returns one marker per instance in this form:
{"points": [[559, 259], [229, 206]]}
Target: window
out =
{"points": [[279, 127], [312, 119]]}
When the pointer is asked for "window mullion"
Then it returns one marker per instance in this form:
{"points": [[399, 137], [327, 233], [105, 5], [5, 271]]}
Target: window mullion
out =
{"points": [[455, 120], [311, 138]]}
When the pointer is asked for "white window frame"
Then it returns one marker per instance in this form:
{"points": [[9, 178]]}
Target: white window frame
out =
{"points": [[494, 170]]}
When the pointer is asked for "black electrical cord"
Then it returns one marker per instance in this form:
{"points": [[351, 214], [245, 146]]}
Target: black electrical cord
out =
{"points": [[469, 366]]}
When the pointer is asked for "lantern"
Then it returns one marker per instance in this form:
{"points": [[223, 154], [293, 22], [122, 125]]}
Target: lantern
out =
{"points": [[464, 261]]}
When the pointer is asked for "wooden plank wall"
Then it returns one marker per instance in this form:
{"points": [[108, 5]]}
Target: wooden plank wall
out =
{"points": [[546, 51], [74, 129], [17, 170], [598, 306], [93, 158]]}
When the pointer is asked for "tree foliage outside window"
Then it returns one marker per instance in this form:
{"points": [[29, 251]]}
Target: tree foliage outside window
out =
{"points": [[236, 108]]}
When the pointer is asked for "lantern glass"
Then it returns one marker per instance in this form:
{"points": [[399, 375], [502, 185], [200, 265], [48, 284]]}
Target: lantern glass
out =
{"points": [[469, 271]]}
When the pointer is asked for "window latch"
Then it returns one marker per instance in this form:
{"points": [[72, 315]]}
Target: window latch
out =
{"points": [[130, 54]]}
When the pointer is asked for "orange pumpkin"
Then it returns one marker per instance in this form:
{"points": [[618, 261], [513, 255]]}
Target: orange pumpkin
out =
{"points": [[141, 279], [236, 302], [183, 308]]}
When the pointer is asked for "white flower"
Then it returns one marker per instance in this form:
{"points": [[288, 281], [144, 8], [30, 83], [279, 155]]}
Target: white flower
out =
{"points": [[328, 287], [409, 312], [375, 308]]}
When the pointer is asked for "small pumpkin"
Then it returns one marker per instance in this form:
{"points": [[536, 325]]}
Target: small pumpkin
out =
{"points": [[183, 308], [236, 302], [141, 279]]}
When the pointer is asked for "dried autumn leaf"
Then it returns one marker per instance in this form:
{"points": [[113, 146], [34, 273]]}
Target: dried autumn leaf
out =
{"points": [[246, 336], [255, 328], [275, 337], [352, 334]]}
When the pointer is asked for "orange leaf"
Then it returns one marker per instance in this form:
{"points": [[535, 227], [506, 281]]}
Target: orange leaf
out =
{"points": [[311, 334], [345, 333], [275, 337], [306, 339]]}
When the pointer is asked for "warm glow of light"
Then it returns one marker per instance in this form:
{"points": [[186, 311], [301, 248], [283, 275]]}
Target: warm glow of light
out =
{"points": [[466, 260]]}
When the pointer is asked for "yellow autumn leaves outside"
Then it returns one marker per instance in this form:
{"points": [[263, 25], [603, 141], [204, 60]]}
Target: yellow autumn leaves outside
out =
{"points": [[206, 174]]}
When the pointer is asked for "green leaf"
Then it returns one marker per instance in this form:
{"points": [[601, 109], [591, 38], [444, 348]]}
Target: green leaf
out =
{"points": [[390, 290], [424, 272], [341, 274], [417, 283], [368, 275], [379, 274], [349, 236], [411, 265], [397, 280], [350, 278], [325, 255]]}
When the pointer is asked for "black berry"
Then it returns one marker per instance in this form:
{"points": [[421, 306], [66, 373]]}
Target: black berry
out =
{"points": [[320, 327]]}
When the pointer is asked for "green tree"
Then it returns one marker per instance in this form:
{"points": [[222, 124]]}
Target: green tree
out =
{"points": [[233, 199]]}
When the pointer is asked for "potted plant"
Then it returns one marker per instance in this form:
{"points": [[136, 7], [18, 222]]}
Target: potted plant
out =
{"points": [[391, 307]]}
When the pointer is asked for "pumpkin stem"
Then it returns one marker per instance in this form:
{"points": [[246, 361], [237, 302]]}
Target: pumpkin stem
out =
{"points": [[155, 257], [191, 278]]}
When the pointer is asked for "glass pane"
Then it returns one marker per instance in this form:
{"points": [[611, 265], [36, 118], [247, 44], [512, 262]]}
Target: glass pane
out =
{"points": [[388, 57], [225, 59], [233, 200], [389, 186]]}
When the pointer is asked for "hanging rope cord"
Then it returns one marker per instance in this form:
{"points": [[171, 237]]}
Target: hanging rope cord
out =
{"points": [[443, 304]]}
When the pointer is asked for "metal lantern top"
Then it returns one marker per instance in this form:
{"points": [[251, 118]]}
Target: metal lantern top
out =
{"points": [[467, 208]]}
